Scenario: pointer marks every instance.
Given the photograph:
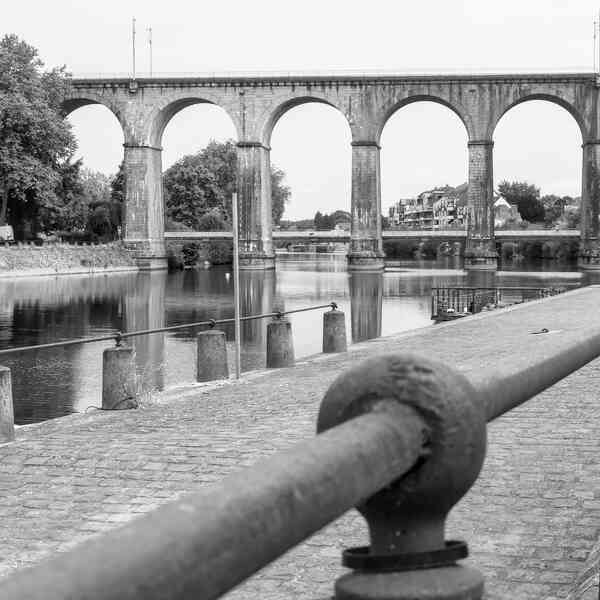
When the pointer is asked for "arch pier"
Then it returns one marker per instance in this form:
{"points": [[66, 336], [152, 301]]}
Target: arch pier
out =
{"points": [[254, 104], [480, 251], [143, 222], [366, 244], [254, 198]]}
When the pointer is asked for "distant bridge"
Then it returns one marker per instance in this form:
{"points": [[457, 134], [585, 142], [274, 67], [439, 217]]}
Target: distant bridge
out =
{"points": [[318, 237]]}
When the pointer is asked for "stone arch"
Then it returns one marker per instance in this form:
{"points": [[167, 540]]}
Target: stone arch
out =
{"points": [[70, 105], [462, 114], [269, 125], [570, 108], [162, 115]]}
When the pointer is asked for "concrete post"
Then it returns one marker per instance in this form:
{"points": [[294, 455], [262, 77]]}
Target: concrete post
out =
{"points": [[254, 196], [211, 361], [334, 331], [589, 248], [119, 389], [480, 251], [366, 244], [280, 345], [144, 228], [7, 417]]}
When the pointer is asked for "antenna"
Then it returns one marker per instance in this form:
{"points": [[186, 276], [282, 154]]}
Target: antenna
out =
{"points": [[133, 44], [595, 36], [150, 47]]}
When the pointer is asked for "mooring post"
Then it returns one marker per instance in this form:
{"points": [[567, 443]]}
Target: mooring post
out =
{"points": [[7, 416], [119, 390], [280, 345], [211, 361], [334, 330], [409, 557]]}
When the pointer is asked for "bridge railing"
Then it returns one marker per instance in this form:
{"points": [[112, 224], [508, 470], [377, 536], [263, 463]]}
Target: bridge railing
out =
{"points": [[400, 437], [461, 301]]}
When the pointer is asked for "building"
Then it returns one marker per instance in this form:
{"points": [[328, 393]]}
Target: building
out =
{"points": [[504, 212], [440, 208]]}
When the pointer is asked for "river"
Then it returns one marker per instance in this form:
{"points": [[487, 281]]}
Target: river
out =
{"points": [[55, 382]]}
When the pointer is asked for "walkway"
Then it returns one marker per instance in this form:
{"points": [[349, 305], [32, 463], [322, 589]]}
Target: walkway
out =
{"points": [[531, 520]]}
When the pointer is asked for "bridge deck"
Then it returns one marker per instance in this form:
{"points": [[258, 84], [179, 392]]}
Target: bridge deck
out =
{"points": [[532, 519]]}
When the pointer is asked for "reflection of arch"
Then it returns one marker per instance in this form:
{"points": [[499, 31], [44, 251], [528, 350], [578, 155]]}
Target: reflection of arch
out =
{"points": [[547, 98], [422, 98], [163, 116], [284, 107]]}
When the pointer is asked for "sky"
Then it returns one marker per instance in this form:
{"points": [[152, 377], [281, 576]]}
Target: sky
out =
{"points": [[423, 144]]}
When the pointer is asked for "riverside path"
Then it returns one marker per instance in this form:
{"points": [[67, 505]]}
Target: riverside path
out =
{"points": [[532, 520]]}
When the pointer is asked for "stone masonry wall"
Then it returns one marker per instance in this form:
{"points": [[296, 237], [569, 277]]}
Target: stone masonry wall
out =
{"points": [[63, 257]]}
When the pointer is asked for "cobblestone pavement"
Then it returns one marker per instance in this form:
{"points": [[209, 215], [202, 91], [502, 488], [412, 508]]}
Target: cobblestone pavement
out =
{"points": [[532, 519]]}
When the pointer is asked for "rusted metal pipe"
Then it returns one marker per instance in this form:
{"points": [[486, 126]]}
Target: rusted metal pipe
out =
{"points": [[501, 389], [206, 543]]}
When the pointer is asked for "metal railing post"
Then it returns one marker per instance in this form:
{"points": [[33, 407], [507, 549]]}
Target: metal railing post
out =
{"points": [[408, 557]]}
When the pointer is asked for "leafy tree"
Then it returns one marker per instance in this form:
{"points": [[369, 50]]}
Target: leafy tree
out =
{"points": [[553, 208], [318, 220], [527, 198], [212, 221], [35, 141], [191, 191], [280, 194], [204, 182]]}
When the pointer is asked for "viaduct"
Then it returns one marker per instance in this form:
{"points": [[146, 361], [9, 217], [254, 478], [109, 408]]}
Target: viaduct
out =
{"points": [[145, 106]]}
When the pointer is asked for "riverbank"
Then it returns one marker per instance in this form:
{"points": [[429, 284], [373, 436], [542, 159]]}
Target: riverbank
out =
{"points": [[531, 520], [29, 260]]}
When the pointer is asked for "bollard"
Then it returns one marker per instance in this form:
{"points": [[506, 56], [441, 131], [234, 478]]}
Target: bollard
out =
{"points": [[211, 361], [280, 346], [409, 557], [334, 331], [7, 417], [119, 389]]}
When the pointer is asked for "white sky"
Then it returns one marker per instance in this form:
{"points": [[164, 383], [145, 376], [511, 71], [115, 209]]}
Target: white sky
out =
{"points": [[423, 144]]}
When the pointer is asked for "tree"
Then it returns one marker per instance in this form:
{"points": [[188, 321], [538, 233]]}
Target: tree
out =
{"points": [[280, 194], [204, 182], [527, 198], [553, 208], [36, 143]]}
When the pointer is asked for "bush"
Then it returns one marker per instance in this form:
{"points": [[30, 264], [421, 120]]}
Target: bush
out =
{"points": [[190, 254], [220, 252]]}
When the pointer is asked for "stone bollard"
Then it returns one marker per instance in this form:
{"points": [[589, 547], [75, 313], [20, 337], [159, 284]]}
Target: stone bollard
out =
{"points": [[212, 356], [334, 331], [7, 417], [409, 557], [280, 345], [119, 390]]}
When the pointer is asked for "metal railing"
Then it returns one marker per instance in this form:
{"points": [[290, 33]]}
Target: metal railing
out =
{"points": [[400, 437], [119, 336], [453, 302]]}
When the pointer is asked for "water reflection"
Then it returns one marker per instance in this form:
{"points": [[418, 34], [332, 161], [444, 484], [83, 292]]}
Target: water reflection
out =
{"points": [[144, 310], [56, 382], [366, 301]]}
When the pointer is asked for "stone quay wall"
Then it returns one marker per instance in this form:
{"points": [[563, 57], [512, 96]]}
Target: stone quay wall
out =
{"points": [[63, 258]]}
